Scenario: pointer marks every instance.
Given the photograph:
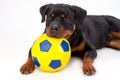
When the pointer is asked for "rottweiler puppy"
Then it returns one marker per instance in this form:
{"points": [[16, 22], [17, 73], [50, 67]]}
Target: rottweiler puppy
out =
{"points": [[86, 33]]}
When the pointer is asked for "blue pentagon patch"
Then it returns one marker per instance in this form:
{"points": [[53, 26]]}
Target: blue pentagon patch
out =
{"points": [[55, 64], [45, 46], [36, 61], [65, 46]]}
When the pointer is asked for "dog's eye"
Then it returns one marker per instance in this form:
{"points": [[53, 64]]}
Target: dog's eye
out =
{"points": [[65, 18], [51, 16]]}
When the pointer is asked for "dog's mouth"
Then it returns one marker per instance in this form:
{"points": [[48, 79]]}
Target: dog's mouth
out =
{"points": [[58, 36], [58, 33]]}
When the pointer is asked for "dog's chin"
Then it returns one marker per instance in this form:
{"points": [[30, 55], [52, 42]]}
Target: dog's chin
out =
{"points": [[58, 36]]}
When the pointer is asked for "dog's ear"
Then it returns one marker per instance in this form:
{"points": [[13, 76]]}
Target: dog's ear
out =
{"points": [[43, 10], [80, 14]]}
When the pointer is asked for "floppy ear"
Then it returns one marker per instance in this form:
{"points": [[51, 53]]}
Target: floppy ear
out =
{"points": [[80, 14], [43, 11]]}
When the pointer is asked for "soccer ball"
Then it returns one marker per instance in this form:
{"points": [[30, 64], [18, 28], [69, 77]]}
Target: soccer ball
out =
{"points": [[51, 54]]}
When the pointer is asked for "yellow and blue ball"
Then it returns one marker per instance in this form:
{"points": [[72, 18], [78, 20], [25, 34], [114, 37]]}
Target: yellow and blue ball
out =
{"points": [[51, 54]]}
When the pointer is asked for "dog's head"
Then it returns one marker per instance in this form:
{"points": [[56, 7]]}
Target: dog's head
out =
{"points": [[61, 19]]}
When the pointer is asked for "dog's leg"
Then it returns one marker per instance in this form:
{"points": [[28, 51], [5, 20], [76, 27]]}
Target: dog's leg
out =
{"points": [[116, 34], [29, 66], [88, 67], [115, 43]]}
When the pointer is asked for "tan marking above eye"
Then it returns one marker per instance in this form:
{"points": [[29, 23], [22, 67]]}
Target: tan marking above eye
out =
{"points": [[63, 15], [52, 15]]}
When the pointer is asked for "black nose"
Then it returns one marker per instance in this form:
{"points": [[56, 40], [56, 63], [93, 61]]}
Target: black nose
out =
{"points": [[54, 29]]}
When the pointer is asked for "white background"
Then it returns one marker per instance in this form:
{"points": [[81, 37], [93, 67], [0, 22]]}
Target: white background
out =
{"points": [[20, 24]]}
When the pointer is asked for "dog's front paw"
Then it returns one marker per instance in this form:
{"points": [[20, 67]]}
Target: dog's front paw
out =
{"points": [[88, 69], [28, 67]]}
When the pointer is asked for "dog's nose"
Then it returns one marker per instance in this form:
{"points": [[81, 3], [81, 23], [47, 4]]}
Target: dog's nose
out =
{"points": [[54, 29]]}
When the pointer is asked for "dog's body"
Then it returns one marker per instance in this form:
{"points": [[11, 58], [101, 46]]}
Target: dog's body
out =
{"points": [[85, 33]]}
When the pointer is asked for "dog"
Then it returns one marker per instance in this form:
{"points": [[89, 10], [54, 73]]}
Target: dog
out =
{"points": [[86, 33]]}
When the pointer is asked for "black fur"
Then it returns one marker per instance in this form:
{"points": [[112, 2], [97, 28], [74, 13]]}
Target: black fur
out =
{"points": [[94, 30]]}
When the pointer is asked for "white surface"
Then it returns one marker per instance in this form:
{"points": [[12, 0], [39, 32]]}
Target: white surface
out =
{"points": [[20, 25]]}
